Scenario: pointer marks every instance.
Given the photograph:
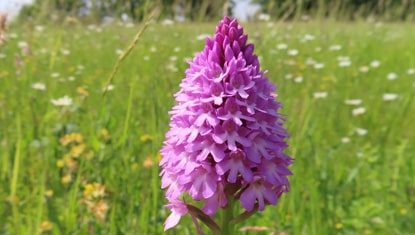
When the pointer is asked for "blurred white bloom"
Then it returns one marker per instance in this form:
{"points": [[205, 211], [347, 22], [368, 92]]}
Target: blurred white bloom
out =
{"points": [[335, 47], [65, 51], [358, 111], [39, 28], [361, 131], [127, 25], [80, 67], [172, 67], [264, 17], [187, 59], [71, 78], [124, 17], [146, 57], [410, 71], [342, 58], [390, 96], [318, 65], [345, 63], [288, 76], [308, 37], [118, 51], [39, 86], [55, 75], [13, 35], [2, 55], [22, 44], [202, 36], [310, 61], [167, 22], [375, 63], [298, 79], [293, 52], [317, 49], [63, 101], [110, 87], [345, 140], [353, 102], [364, 69], [392, 76], [173, 58], [176, 49], [153, 49], [320, 95], [282, 46]]}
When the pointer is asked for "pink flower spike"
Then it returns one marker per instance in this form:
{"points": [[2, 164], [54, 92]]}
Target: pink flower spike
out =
{"points": [[226, 132]]}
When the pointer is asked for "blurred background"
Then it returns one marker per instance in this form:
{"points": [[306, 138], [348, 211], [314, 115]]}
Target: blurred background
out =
{"points": [[206, 10]]}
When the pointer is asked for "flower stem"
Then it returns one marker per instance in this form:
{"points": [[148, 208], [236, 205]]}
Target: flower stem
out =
{"points": [[228, 227]]}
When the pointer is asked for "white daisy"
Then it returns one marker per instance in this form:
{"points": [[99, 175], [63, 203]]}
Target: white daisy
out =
{"points": [[345, 63], [320, 95], [282, 46], [335, 47], [390, 96], [318, 65], [364, 69], [293, 52], [353, 102], [375, 63], [345, 140], [361, 131], [39, 86], [392, 76], [358, 111], [298, 79], [63, 101]]}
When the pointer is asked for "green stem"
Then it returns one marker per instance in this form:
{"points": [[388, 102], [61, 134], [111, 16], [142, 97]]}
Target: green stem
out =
{"points": [[228, 227]]}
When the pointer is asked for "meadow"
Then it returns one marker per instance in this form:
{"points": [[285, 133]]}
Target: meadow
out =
{"points": [[73, 161]]}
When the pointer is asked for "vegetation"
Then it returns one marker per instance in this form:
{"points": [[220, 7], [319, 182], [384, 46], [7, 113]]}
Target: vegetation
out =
{"points": [[207, 10], [87, 163]]}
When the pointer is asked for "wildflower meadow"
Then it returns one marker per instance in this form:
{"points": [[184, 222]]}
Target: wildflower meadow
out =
{"points": [[80, 149]]}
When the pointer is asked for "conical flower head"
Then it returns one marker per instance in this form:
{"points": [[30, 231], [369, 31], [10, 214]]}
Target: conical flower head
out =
{"points": [[226, 137]]}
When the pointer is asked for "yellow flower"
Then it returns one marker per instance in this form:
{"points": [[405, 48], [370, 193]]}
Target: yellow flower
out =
{"points": [[148, 162], [46, 226], [88, 189], [71, 138], [339, 225], [82, 91], [49, 193], [95, 190], [70, 163], [158, 157], [100, 209], [60, 163], [66, 179], [77, 150], [104, 135]]}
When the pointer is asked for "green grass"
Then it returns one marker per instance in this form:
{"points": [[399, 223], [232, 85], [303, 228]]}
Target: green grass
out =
{"points": [[366, 186]]}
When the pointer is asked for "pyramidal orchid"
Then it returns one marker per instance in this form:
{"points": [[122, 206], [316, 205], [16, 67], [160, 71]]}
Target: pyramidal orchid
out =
{"points": [[226, 140]]}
